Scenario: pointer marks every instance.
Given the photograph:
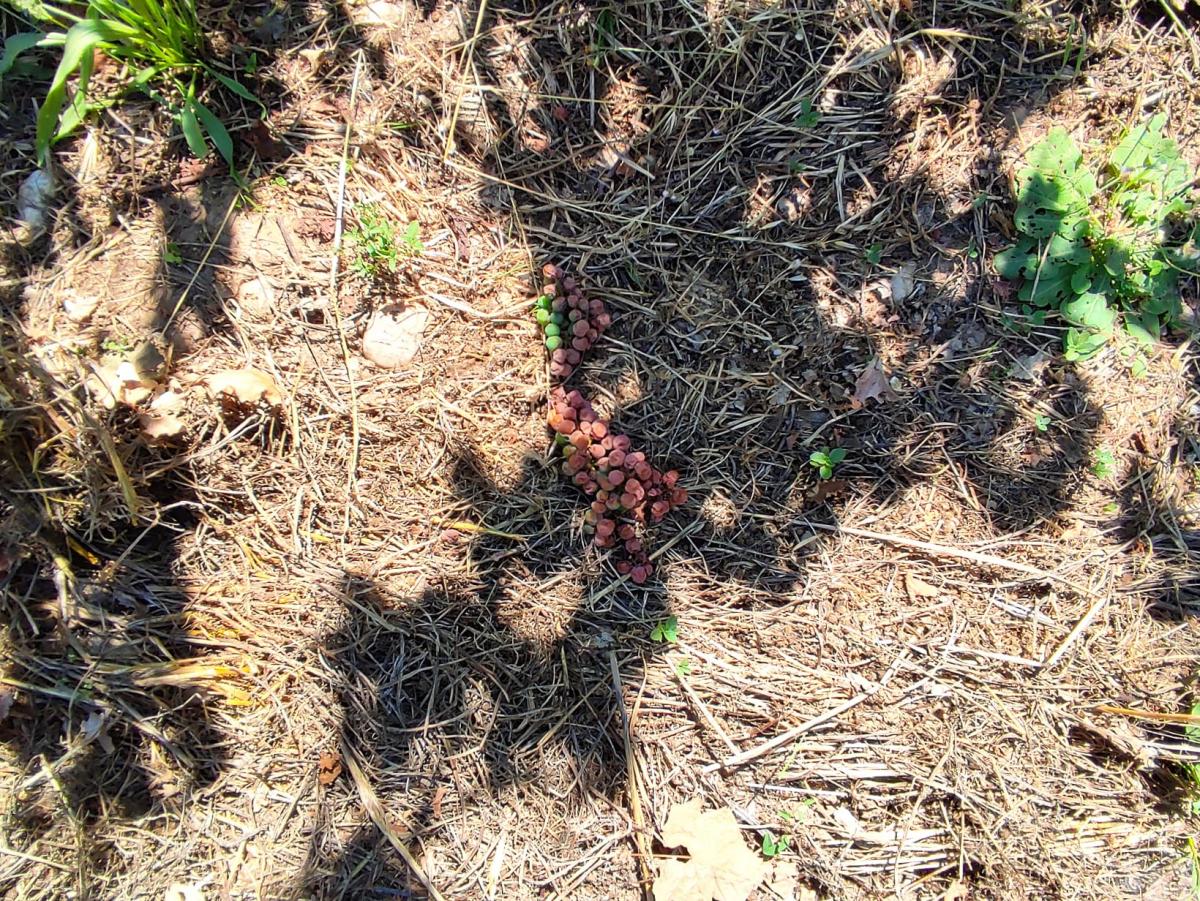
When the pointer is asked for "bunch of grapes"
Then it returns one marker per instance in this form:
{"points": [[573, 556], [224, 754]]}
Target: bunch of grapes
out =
{"points": [[570, 322], [627, 492]]}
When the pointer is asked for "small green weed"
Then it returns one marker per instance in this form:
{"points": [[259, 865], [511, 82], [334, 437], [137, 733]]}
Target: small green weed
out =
{"points": [[172, 255], [825, 461], [116, 345], [683, 666], [808, 116], [1104, 464], [1099, 251], [604, 37], [874, 253], [1042, 422], [773, 845], [162, 44], [377, 248], [667, 630], [1192, 772]]}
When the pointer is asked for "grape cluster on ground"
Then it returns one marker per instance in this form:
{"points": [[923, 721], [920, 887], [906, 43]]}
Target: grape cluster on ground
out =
{"points": [[627, 491]]}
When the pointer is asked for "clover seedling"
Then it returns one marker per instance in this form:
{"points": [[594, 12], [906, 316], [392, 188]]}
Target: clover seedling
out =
{"points": [[825, 461], [1104, 463], [808, 116], [773, 845], [667, 630]]}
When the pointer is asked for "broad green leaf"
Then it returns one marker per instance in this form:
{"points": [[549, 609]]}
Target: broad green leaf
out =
{"points": [[1079, 345], [1143, 328], [1081, 279], [1015, 262], [217, 132], [1049, 288], [1056, 154], [191, 130], [1091, 311], [15, 45], [1138, 145], [837, 455]]}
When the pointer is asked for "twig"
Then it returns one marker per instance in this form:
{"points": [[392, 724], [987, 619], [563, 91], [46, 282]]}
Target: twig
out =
{"points": [[792, 734], [352, 466], [1099, 604], [378, 815], [635, 798], [948, 551]]}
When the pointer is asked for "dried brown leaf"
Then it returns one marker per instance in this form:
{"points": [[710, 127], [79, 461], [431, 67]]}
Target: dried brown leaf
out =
{"points": [[721, 866], [329, 767], [872, 382], [245, 386], [917, 588]]}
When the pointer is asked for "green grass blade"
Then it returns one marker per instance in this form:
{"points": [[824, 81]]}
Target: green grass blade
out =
{"points": [[79, 107], [236, 86], [82, 39], [14, 46], [217, 132], [191, 130]]}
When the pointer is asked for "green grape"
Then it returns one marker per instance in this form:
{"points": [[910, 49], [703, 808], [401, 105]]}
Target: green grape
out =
{"points": [[543, 302], [553, 342], [552, 331], [558, 318], [542, 316]]}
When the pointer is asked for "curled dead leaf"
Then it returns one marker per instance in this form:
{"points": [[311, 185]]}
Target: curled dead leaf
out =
{"points": [[721, 867], [872, 382], [160, 427], [329, 767], [918, 588], [245, 387]]}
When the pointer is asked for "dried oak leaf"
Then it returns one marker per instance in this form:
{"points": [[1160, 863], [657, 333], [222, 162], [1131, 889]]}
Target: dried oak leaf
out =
{"points": [[245, 387], [329, 767], [721, 866], [872, 382]]}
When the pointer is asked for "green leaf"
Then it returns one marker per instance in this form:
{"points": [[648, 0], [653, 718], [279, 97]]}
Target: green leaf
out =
{"points": [[191, 130], [1050, 288], [1143, 328], [82, 38], [1091, 311], [837, 455], [1136, 148], [667, 630], [1079, 345], [1014, 262], [1056, 154], [217, 132], [236, 86], [15, 45], [1081, 279], [874, 253], [1192, 731]]}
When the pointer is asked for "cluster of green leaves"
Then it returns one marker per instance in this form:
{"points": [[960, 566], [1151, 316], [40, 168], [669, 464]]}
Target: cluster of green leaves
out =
{"points": [[825, 461], [667, 630], [1108, 250], [377, 246], [162, 46]]}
